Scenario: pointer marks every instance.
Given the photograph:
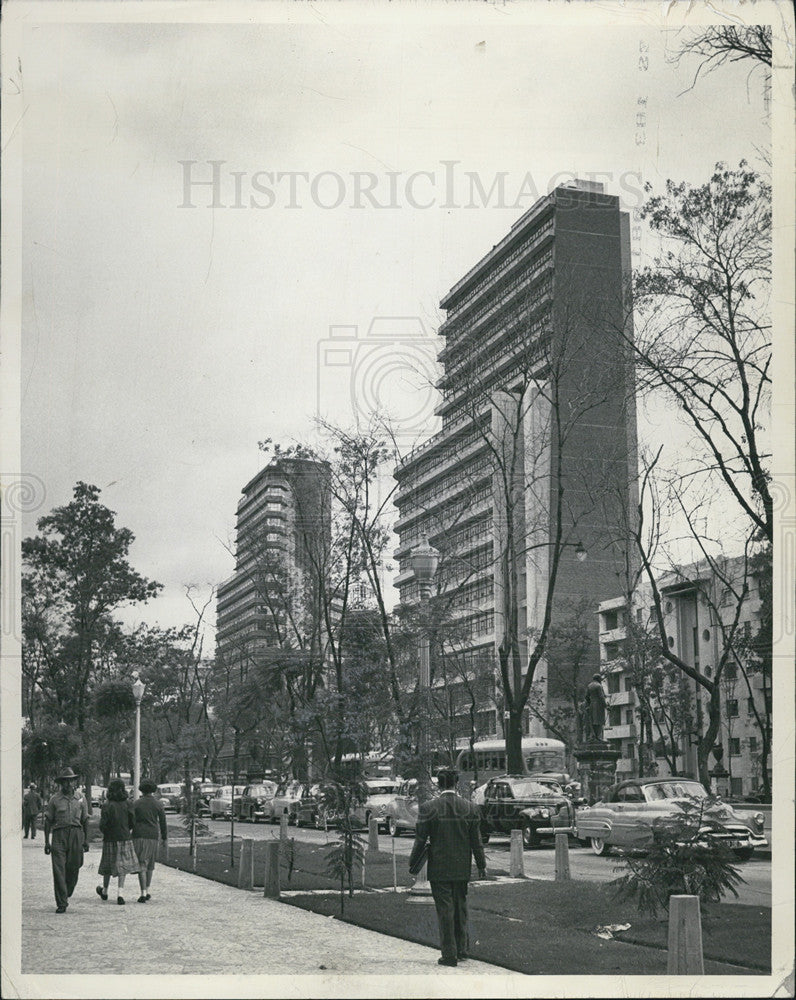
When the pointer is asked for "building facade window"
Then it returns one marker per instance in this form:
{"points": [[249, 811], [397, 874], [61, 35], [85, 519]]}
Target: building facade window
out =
{"points": [[732, 708], [735, 747], [736, 786]]}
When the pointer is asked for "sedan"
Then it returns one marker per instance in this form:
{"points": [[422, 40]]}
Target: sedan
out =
{"points": [[287, 800], [169, 797], [316, 807], [537, 808], [98, 793], [401, 812], [633, 810], [221, 802], [254, 803]]}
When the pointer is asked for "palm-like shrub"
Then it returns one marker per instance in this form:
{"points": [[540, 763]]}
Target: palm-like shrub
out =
{"points": [[347, 850], [683, 859]]}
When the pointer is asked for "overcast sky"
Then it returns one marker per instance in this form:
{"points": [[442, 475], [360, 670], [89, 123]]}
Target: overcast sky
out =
{"points": [[161, 342]]}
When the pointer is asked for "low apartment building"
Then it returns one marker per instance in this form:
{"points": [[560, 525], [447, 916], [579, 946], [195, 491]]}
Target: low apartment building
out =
{"points": [[698, 610]]}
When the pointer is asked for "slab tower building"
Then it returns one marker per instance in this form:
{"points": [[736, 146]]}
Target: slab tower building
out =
{"points": [[533, 472]]}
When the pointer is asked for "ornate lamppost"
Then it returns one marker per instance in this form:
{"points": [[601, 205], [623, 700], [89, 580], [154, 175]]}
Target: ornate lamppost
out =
{"points": [[424, 560], [138, 694]]}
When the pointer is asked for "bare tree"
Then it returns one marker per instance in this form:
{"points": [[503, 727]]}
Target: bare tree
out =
{"points": [[719, 44], [722, 583], [703, 333]]}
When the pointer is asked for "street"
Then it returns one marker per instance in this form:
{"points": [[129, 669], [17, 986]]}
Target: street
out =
{"points": [[539, 864]]}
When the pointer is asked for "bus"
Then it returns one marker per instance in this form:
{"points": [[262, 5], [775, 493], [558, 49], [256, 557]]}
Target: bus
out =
{"points": [[488, 759], [369, 765]]}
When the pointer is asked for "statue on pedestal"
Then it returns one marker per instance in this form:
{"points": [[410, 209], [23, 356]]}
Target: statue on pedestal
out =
{"points": [[594, 705]]}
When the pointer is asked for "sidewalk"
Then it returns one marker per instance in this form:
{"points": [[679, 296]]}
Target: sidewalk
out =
{"points": [[195, 926]]}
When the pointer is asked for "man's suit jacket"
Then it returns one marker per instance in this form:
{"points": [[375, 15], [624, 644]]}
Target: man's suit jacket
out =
{"points": [[451, 824]]}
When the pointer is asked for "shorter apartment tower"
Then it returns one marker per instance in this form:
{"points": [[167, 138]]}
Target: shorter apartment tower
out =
{"points": [[283, 520], [698, 610]]}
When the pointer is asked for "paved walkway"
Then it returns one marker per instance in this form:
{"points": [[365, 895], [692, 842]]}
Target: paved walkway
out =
{"points": [[193, 925]]}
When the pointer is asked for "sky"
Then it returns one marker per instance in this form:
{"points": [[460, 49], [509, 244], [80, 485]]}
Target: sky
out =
{"points": [[169, 325]]}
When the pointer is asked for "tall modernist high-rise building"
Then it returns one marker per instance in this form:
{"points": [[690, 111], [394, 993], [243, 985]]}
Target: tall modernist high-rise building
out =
{"points": [[283, 525], [537, 415]]}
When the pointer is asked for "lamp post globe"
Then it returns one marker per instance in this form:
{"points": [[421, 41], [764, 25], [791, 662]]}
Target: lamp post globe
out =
{"points": [[424, 560]]}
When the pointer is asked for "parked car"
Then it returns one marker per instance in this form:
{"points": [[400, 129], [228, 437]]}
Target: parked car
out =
{"points": [[98, 793], [287, 800], [254, 803], [206, 790], [629, 815], [314, 808], [521, 802], [401, 812], [221, 802], [169, 797], [381, 792]]}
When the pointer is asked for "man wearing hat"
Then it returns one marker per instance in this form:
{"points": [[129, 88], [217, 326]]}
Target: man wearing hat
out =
{"points": [[31, 807], [66, 817], [451, 825]]}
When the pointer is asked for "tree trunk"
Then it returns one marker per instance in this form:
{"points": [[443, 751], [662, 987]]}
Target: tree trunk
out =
{"points": [[514, 762], [708, 738]]}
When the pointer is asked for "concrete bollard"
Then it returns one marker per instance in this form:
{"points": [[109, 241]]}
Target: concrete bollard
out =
{"points": [[516, 857], [373, 833], [562, 857], [283, 827], [271, 880], [685, 937], [246, 864]]}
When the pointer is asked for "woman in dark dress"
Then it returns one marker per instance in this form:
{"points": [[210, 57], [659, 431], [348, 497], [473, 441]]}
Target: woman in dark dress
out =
{"points": [[150, 826], [118, 856]]}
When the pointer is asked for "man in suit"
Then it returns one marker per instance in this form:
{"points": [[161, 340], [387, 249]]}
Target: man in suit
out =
{"points": [[451, 826]]}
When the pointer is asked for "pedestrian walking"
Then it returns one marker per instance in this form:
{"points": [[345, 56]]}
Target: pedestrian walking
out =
{"points": [[450, 825], [118, 855], [149, 827], [31, 807], [66, 836]]}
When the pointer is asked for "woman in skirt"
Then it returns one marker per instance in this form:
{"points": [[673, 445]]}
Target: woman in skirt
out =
{"points": [[118, 856], [150, 823]]}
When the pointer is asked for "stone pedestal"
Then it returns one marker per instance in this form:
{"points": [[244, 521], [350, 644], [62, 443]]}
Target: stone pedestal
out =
{"points": [[596, 770], [720, 781]]}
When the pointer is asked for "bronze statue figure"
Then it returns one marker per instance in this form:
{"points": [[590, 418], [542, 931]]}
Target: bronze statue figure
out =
{"points": [[595, 710]]}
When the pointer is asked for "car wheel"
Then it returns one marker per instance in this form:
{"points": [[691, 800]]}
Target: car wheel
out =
{"points": [[744, 853], [530, 838], [599, 846], [392, 826]]}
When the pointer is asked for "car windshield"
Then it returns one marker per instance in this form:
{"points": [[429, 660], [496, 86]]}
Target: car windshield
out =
{"points": [[261, 790], [674, 790], [530, 789]]}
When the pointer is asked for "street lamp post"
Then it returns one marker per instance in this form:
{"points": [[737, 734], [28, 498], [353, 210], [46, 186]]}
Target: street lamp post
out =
{"points": [[424, 560], [138, 694]]}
